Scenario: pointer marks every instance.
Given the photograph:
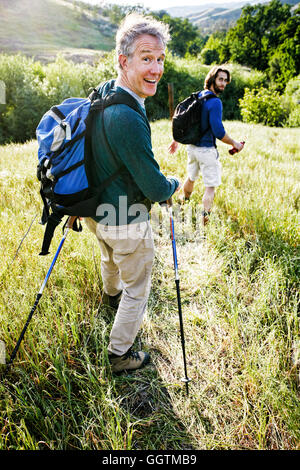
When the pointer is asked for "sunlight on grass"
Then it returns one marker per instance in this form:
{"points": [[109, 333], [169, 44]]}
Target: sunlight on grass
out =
{"points": [[239, 293]]}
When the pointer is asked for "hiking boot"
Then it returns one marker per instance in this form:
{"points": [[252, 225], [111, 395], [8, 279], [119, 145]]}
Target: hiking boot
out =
{"points": [[205, 218], [129, 361], [112, 300]]}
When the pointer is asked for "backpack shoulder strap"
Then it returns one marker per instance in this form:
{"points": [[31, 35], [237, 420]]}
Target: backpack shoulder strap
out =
{"points": [[123, 98], [113, 98], [207, 97]]}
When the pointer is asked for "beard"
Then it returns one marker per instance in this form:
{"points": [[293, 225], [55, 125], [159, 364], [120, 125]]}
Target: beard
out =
{"points": [[218, 90]]}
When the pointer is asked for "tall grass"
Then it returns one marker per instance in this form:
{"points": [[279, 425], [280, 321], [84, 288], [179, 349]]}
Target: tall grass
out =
{"points": [[239, 290]]}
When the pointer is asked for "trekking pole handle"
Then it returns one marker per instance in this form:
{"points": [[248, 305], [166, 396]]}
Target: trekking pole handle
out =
{"points": [[167, 203], [71, 221]]}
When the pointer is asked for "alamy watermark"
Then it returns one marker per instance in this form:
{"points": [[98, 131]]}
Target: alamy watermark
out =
{"points": [[2, 92], [127, 221]]}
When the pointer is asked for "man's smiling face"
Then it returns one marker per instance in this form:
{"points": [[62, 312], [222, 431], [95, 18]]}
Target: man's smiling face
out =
{"points": [[142, 70]]}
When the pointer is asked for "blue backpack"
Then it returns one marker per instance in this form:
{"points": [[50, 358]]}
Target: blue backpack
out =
{"points": [[64, 150]]}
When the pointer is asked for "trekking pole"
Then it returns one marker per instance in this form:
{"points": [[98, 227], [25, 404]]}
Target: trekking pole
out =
{"points": [[40, 293], [185, 379]]}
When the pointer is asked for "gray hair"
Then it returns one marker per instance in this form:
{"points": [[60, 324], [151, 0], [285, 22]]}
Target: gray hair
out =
{"points": [[133, 26]]}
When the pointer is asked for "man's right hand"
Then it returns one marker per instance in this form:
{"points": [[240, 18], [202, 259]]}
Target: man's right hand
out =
{"points": [[169, 201], [239, 145]]}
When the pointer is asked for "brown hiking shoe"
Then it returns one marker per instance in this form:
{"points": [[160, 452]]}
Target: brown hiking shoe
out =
{"points": [[129, 361], [205, 218]]}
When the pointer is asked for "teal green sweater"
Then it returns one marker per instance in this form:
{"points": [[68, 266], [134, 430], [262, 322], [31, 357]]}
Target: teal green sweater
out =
{"points": [[127, 141]]}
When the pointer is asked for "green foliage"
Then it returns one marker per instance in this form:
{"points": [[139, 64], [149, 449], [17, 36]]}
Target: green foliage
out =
{"points": [[267, 106], [32, 88], [182, 32], [195, 46], [255, 33], [294, 118], [24, 98], [291, 99], [266, 37], [117, 12], [263, 106], [213, 49], [284, 63], [210, 56]]}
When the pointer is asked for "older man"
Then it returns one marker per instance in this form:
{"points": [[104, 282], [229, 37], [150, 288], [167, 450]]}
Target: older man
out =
{"points": [[121, 136]]}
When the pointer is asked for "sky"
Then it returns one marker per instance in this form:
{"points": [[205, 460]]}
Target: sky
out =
{"points": [[159, 4]]}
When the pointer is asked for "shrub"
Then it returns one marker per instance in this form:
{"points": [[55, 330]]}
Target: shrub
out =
{"points": [[294, 118], [209, 56], [291, 99], [25, 100], [262, 105], [32, 88]]}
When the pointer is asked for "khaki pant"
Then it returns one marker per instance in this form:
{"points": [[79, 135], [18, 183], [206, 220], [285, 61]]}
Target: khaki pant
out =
{"points": [[127, 253], [207, 160]]}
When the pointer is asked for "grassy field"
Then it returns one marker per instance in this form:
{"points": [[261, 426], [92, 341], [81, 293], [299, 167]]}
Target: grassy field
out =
{"points": [[240, 298]]}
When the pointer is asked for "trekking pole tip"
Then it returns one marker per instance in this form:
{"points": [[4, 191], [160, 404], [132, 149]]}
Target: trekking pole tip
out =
{"points": [[185, 379]]}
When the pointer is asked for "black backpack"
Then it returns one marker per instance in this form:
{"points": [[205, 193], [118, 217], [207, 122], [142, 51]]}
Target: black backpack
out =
{"points": [[65, 170], [186, 125]]}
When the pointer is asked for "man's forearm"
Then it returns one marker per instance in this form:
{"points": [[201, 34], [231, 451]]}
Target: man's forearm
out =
{"points": [[228, 140]]}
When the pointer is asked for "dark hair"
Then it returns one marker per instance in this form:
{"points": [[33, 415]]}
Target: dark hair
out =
{"points": [[212, 75]]}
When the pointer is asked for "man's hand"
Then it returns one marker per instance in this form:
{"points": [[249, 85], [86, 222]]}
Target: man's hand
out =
{"points": [[173, 146], [169, 201], [239, 146]]}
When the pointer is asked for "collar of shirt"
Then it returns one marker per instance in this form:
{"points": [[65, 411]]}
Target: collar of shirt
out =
{"points": [[140, 100]]}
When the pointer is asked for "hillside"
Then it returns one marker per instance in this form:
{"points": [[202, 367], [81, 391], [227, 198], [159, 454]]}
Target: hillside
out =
{"points": [[188, 10], [42, 28], [81, 31], [214, 17]]}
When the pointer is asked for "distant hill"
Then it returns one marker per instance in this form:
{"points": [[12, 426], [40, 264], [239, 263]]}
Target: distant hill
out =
{"points": [[215, 16], [185, 11], [215, 19], [42, 28], [81, 31]]}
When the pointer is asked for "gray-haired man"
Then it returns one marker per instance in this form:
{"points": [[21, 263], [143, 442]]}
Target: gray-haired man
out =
{"points": [[126, 242]]}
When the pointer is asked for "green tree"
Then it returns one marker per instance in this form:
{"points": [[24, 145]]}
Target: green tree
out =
{"points": [[213, 49], [255, 35], [284, 63], [117, 12], [195, 47], [183, 33]]}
